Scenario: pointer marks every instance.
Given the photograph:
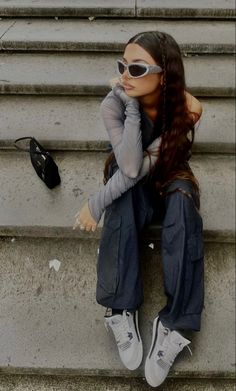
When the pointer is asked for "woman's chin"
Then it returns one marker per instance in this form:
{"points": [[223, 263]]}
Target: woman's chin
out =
{"points": [[131, 92]]}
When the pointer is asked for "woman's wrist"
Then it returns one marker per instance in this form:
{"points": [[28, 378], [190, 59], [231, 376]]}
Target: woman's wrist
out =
{"points": [[92, 210]]}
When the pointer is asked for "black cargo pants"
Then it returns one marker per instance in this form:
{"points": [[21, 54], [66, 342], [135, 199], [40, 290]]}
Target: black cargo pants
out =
{"points": [[119, 283]]}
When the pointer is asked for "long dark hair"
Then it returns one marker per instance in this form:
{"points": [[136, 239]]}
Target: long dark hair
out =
{"points": [[174, 119]]}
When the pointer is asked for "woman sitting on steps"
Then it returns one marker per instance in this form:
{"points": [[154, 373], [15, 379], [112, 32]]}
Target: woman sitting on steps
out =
{"points": [[150, 119]]}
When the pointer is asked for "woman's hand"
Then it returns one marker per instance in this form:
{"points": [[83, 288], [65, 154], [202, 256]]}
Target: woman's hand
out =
{"points": [[119, 91], [84, 219]]}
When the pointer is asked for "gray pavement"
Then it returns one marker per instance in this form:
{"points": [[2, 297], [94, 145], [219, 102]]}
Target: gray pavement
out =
{"points": [[69, 383], [86, 383]]}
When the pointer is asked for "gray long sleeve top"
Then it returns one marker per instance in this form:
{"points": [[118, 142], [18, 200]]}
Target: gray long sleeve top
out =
{"points": [[123, 124]]}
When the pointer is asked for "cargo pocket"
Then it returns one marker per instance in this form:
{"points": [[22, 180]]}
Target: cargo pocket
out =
{"points": [[108, 258], [194, 275]]}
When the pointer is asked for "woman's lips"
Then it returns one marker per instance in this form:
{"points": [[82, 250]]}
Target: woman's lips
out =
{"points": [[127, 87]]}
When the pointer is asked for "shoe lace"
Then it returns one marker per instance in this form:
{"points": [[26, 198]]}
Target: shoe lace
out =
{"points": [[122, 332], [168, 352]]}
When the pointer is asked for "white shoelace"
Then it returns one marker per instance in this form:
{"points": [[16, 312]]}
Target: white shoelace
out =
{"points": [[122, 332], [168, 352]]}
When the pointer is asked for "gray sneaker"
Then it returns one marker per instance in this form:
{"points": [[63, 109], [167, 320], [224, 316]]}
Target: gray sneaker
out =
{"points": [[128, 340], [165, 346]]}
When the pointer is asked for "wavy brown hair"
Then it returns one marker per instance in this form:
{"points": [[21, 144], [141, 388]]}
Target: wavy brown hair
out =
{"points": [[174, 120]]}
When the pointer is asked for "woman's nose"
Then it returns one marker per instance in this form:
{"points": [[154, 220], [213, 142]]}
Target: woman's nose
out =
{"points": [[125, 75]]}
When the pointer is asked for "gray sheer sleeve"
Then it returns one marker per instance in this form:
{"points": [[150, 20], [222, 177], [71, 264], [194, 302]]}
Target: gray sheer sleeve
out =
{"points": [[119, 183], [123, 124]]}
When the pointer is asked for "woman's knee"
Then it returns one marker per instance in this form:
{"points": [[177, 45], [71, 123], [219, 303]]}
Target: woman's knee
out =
{"points": [[182, 212], [184, 187]]}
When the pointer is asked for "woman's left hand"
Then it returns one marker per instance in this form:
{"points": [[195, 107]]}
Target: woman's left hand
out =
{"points": [[84, 219]]}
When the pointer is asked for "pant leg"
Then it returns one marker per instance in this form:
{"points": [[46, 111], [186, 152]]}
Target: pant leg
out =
{"points": [[119, 282], [183, 258]]}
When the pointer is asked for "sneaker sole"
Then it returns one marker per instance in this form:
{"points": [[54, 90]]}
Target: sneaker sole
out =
{"points": [[148, 374], [138, 361]]}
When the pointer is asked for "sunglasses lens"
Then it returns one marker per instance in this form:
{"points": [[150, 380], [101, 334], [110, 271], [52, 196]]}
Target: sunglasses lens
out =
{"points": [[121, 67], [137, 70]]}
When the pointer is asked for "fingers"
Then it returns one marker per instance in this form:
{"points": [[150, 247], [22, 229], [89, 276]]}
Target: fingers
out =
{"points": [[76, 224], [84, 220], [114, 81], [88, 227], [77, 214], [118, 89]]}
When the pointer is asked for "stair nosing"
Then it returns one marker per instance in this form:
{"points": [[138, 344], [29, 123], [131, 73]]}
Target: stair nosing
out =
{"points": [[114, 372], [151, 232], [103, 145], [101, 90], [22, 46], [119, 12]]}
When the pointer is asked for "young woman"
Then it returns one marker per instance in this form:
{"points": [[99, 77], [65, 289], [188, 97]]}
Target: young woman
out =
{"points": [[150, 119]]}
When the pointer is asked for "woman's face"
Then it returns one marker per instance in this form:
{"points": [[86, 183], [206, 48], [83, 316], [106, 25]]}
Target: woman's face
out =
{"points": [[144, 85]]}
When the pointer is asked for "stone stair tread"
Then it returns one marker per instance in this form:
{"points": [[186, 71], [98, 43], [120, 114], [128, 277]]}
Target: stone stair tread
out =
{"points": [[110, 8], [186, 8], [4, 26], [50, 321], [106, 35], [27, 202], [80, 73], [67, 8], [75, 122]]}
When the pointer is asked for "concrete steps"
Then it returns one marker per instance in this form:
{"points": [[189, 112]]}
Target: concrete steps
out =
{"points": [[89, 73], [198, 36], [27, 203], [51, 324], [74, 122], [129, 8], [56, 60]]}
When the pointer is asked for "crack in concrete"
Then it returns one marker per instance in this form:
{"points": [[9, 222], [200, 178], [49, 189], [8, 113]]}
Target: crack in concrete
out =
{"points": [[6, 32]]}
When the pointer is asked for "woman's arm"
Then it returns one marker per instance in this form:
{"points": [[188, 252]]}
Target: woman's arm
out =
{"points": [[122, 120], [119, 183]]}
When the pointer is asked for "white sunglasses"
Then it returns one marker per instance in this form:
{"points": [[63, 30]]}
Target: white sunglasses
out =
{"points": [[136, 70]]}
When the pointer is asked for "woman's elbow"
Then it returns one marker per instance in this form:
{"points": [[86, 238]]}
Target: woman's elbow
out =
{"points": [[129, 168], [130, 172], [133, 175]]}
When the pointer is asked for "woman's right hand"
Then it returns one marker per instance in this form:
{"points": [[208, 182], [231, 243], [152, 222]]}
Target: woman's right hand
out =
{"points": [[119, 91]]}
